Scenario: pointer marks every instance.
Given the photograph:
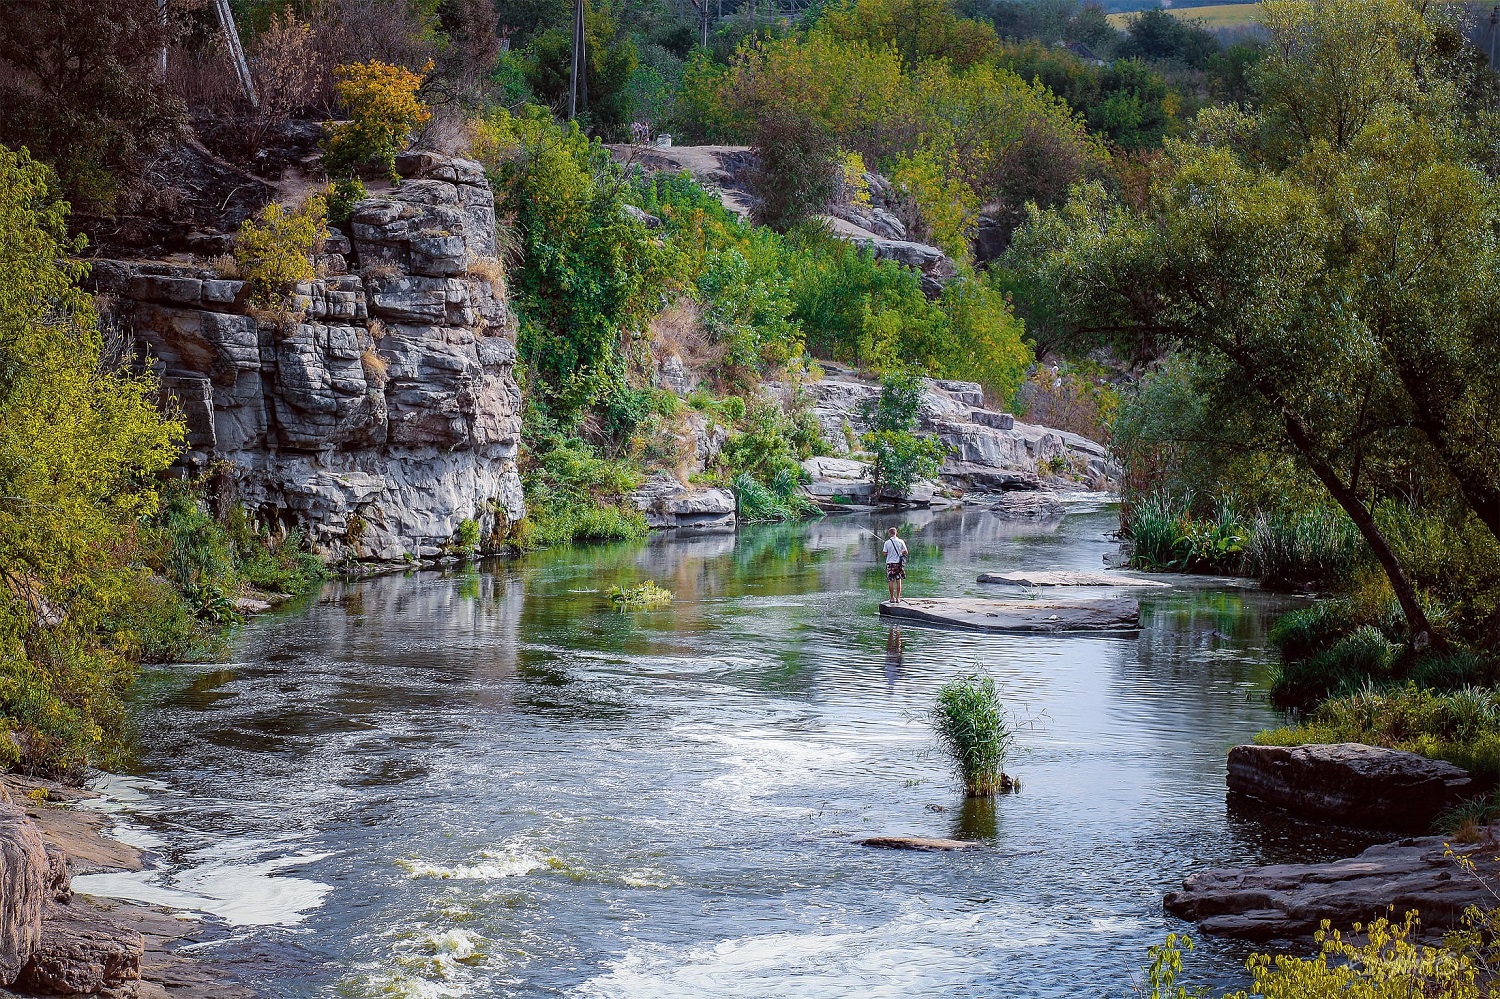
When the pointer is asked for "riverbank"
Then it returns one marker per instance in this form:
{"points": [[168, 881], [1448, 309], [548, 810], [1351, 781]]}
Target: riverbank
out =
{"points": [[98, 938]]}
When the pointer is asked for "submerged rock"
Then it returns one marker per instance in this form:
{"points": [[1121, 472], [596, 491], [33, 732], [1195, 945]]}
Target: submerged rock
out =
{"points": [[917, 843], [1350, 783], [1019, 615], [1288, 901], [1067, 577]]}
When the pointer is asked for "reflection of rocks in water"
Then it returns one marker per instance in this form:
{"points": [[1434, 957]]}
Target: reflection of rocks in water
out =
{"points": [[1278, 838], [976, 818]]}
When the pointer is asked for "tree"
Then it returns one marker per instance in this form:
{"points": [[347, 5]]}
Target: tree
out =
{"points": [[80, 88], [79, 442], [1331, 260], [796, 174]]}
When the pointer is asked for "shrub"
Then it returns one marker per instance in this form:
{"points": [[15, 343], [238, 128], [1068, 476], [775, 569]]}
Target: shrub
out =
{"points": [[466, 537], [273, 250], [796, 173], [1168, 539], [383, 109], [756, 502], [343, 194], [643, 597], [949, 208], [902, 458], [977, 732], [1319, 547]]}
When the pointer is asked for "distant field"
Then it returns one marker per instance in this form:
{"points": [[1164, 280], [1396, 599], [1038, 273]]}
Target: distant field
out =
{"points": [[1222, 15]]}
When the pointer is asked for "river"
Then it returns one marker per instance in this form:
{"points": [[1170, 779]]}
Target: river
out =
{"points": [[487, 782]]}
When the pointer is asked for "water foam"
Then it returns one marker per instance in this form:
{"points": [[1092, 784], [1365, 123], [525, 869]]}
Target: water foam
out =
{"points": [[495, 866]]}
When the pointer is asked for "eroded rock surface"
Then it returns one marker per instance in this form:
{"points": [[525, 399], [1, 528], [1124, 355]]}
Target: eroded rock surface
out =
{"points": [[388, 414], [1350, 783], [1018, 615], [26, 877], [1288, 901], [82, 952], [667, 503]]}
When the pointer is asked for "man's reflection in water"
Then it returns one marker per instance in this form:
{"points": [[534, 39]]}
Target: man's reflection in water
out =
{"points": [[892, 659]]}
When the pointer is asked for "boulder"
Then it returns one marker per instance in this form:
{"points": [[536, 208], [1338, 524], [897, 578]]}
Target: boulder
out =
{"points": [[987, 418], [1039, 507], [1350, 783], [1288, 901], [26, 886], [82, 952], [669, 504]]}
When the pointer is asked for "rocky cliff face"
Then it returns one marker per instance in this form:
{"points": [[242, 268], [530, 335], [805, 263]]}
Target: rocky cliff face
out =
{"points": [[388, 415]]}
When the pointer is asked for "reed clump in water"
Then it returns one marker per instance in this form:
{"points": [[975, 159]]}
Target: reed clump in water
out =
{"points": [[642, 597], [977, 732]]}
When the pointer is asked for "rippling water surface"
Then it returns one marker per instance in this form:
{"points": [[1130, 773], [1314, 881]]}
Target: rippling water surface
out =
{"points": [[488, 783]]}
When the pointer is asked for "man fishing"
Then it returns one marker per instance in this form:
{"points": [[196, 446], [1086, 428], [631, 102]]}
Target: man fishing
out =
{"points": [[895, 564]]}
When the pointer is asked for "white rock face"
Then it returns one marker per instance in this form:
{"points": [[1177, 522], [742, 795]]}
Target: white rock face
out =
{"points": [[389, 414]]}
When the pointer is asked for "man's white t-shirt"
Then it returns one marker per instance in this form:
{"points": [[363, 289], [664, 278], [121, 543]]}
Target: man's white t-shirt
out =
{"points": [[895, 550]]}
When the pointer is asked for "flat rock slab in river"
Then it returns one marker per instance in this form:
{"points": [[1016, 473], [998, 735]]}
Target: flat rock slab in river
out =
{"points": [[916, 843], [1064, 577], [1019, 615], [1288, 901]]}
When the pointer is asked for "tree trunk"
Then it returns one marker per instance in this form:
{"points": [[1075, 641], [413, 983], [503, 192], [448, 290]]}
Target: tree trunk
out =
{"points": [[1416, 619], [236, 52], [1482, 495]]}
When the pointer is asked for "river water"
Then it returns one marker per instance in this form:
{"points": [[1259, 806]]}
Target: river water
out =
{"points": [[489, 783]]}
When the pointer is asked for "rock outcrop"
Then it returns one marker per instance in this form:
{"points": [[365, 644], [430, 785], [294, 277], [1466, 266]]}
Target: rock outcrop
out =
{"points": [[1043, 616], [1350, 783], [988, 452], [387, 414], [669, 504], [25, 888], [1288, 901]]}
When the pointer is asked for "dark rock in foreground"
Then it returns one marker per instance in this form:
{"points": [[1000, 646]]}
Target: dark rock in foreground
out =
{"points": [[916, 843], [1289, 901], [82, 952], [1019, 615], [1350, 783]]}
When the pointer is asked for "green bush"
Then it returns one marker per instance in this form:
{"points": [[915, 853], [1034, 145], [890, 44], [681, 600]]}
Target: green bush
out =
{"points": [[1167, 538], [757, 502], [1319, 547], [342, 196], [901, 458], [1461, 726], [977, 733]]}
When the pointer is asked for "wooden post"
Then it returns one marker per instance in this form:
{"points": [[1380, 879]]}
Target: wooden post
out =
{"points": [[236, 52]]}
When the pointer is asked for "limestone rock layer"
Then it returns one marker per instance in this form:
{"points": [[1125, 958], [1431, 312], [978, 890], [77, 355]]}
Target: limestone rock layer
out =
{"points": [[388, 414]]}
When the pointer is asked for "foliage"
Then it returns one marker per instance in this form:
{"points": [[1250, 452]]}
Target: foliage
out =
{"points": [[343, 194], [1300, 549], [273, 250], [642, 597], [796, 173], [1379, 960], [79, 442], [781, 499], [590, 268], [466, 536], [1324, 263], [977, 732], [80, 90], [384, 111], [1167, 538], [611, 58], [901, 458], [573, 494], [1076, 397], [949, 208]]}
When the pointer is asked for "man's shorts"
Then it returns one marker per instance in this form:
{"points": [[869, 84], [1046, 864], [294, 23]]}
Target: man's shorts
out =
{"points": [[895, 570]]}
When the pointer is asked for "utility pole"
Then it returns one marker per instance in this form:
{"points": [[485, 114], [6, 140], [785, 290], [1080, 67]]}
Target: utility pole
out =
{"points": [[236, 53], [578, 83]]}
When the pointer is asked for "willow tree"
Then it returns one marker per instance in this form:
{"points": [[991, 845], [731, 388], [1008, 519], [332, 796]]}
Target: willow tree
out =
{"points": [[79, 443], [1330, 257]]}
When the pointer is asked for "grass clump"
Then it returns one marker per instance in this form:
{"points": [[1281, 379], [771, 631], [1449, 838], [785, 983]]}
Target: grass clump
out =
{"points": [[977, 732], [1319, 547], [1461, 726], [642, 597]]}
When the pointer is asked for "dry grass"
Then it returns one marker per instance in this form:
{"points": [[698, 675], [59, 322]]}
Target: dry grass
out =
{"points": [[226, 266], [379, 270], [678, 331], [491, 271], [377, 329], [1215, 16], [377, 369]]}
